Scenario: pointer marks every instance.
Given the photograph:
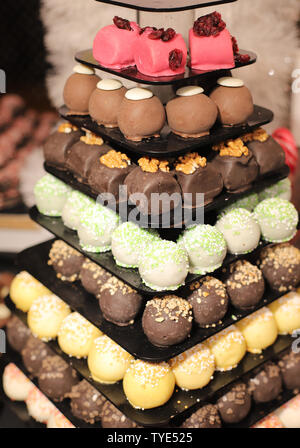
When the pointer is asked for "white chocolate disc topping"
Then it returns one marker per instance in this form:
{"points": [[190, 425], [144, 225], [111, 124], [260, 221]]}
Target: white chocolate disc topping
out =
{"points": [[189, 91], [109, 84], [228, 81], [83, 69], [138, 93]]}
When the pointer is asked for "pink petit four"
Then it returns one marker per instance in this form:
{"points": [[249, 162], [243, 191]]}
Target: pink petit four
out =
{"points": [[160, 52], [211, 46], [113, 45]]}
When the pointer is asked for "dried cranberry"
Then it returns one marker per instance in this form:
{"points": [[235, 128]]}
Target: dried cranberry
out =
{"points": [[123, 24], [209, 25], [242, 58], [169, 34], [156, 34], [235, 46], [175, 59]]}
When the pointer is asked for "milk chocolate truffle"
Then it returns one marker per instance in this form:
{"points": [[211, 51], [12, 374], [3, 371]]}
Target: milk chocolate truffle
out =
{"points": [[236, 164], [33, 354], [78, 89], [167, 321], [84, 154], [105, 102], [108, 173], [290, 370], [118, 302], [58, 144], [56, 378], [206, 417], [86, 402], [234, 101], [17, 333], [191, 114], [153, 176], [93, 276], [268, 154], [209, 301], [267, 384], [196, 175], [65, 260], [245, 285], [111, 417], [235, 405], [280, 266], [141, 115]]}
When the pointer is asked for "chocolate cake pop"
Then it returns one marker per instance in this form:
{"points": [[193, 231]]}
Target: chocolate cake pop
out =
{"points": [[280, 266], [118, 302], [234, 101], [209, 300], [235, 405], [141, 115], [206, 417], [58, 144], [111, 417], [167, 321], [56, 378], [236, 164], [105, 102], [267, 384], [78, 89], [86, 402], [196, 175], [191, 114], [92, 276], [245, 285], [65, 260], [17, 333], [33, 354], [290, 369]]}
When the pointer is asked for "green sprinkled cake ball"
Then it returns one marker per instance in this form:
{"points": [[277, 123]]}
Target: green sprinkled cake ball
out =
{"points": [[50, 195], [206, 248], [248, 202], [97, 224], [164, 265], [277, 219], [282, 189], [74, 207]]}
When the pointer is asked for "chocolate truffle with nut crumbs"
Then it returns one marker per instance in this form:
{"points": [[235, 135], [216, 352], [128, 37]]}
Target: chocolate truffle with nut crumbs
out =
{"points": [[58, 144], [34, 353], [267, 384], [111, 417], [206, 417], [235, 405], [86, 402], [290, 369], [65, 260], [17, 333], [93, 276], [56, 378]]}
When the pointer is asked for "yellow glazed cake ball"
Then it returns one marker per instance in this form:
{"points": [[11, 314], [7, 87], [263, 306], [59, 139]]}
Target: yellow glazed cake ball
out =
{"points": [[194, 368], [286, 311], [148, 385], [107, 361], [259, 330], [46, 315], [24, 289], [228, 348], [76, 335]]}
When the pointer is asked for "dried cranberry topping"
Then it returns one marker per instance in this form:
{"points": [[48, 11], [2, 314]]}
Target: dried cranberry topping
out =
{"points": [[156, 34], [169, 34], [242, 58], [164, 35], [175, 59], [209, 25], [235, 46], [123, 24]]}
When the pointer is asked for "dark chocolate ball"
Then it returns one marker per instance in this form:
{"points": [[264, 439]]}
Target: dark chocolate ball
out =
{"points": [[280, 266], [33, 354], [56, 378], [235, 405], [267, 384], [65, 260], [167, 321], [111, 417], [209, 300], [93, 276], [245, 285], [290, 370], [118, 302], [17, 333], [206, 417], [86, 402]]}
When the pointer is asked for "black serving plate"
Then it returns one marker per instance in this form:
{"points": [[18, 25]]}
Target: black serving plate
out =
{"points": [[181, 401], [132, 337], [169, 144], [131, 73]]}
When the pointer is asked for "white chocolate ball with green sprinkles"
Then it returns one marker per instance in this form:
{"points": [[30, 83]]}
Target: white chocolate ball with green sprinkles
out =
{"points": [[240, 230], [206, 248], [277, 219], [127, 243], [97, 224], [164, 265], [51, 195], [75, 205], [248, 202], [282, 189]]}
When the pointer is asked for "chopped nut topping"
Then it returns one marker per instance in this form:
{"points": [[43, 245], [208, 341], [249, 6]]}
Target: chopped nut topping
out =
{"points": [[153, 165], [235, 148], [91, 139], [259, 135], [114, 159], [190, 162], [66, 128]]}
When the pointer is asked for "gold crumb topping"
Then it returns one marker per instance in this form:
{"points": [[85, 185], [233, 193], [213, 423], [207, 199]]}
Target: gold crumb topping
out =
{"points": [[235, 148], [115, 159], [91, 139], [259, 135], [153, 165], [66, 128], [190, 162]]}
